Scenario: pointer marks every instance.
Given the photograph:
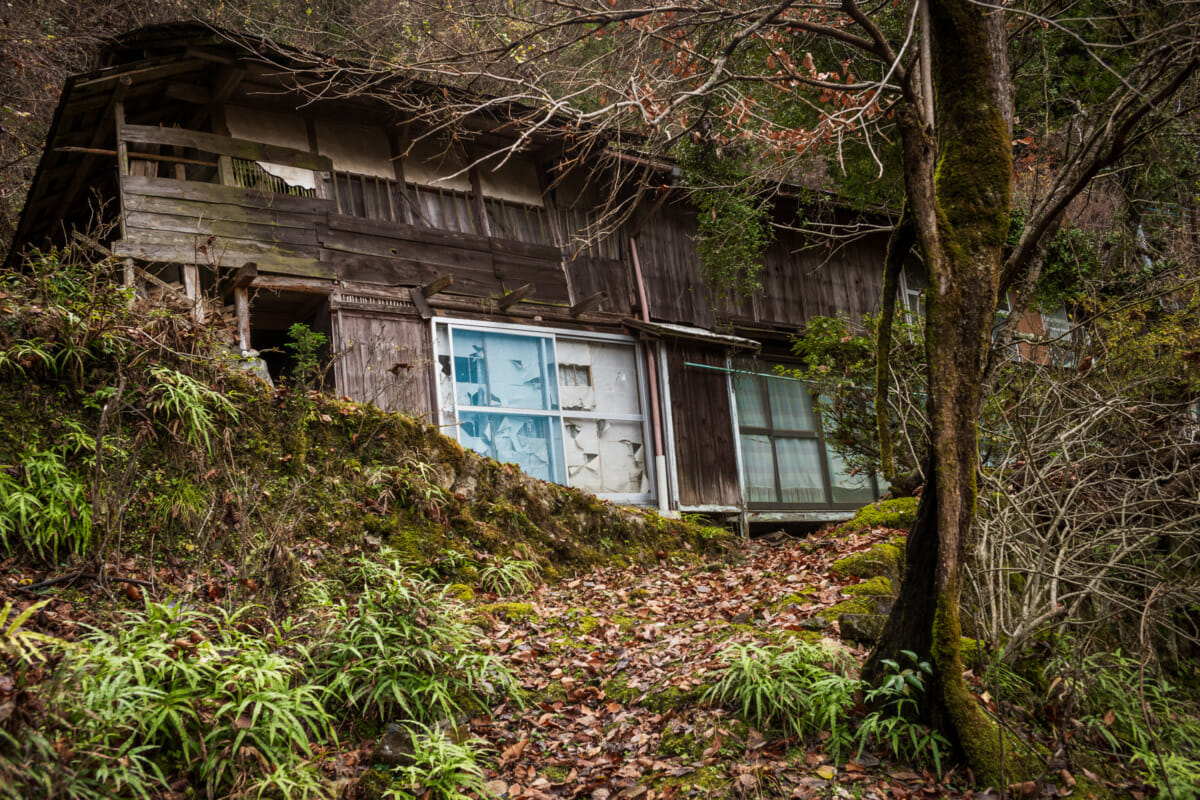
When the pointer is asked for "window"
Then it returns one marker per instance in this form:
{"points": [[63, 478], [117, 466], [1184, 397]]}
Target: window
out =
{"points": [[1058, 328], [563, 407], [784, 458]]}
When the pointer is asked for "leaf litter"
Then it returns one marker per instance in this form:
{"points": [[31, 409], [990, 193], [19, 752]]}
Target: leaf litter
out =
{"points": [[615, 662]]}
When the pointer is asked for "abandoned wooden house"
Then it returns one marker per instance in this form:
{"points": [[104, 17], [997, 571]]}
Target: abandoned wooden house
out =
{"points": [[461, 295]]}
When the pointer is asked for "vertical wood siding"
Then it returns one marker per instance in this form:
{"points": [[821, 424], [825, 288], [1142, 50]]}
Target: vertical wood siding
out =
{"points": [[706, 468], [387, 361]]}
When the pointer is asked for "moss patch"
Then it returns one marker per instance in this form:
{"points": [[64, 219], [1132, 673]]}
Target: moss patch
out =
{"points": [[511, 612], [899, 513], [884, 559], [879, 586]]}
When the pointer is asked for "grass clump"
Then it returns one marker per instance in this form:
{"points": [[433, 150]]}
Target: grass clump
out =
{"points": [[172, 692], [401, 650], [791, 689]]}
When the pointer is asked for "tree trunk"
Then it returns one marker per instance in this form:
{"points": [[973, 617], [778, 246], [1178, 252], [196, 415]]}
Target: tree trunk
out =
{"points": [[958, 181]]}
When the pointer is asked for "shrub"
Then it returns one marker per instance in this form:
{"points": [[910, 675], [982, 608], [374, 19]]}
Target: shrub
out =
{"points": [[401, 650], [789, 689], [181, 693]]}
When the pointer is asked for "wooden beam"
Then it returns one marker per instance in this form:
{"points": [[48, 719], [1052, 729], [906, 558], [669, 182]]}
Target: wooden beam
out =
{"points": [[208, 55], [437, 285], [422, 304], [144, 73], [245, 275], [590, 303], [281, 283], [515, 296], [100, 151], [226, 146]]}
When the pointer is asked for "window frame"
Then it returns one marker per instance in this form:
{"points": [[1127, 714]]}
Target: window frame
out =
{"points": [[451, 417], [773, 434]]}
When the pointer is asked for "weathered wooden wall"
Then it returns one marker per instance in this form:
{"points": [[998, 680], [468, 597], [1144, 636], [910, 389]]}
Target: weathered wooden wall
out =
{"points": [[702, 422]]}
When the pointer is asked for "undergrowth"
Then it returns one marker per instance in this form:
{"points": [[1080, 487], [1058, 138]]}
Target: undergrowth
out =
{"points": [[290, 545]]}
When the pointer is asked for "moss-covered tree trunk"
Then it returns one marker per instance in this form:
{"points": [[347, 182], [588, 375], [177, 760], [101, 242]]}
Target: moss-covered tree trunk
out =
{"points": [[958, 174]]}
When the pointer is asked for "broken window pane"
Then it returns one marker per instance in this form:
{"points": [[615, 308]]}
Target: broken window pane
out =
{"points": [[606, 456], [496, 382], [503, 370], [530, 442]]}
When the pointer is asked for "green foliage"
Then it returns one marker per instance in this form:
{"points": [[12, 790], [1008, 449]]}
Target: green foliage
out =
{"points": [[178, 692], [732, 215], [306, 344], [509, 576], [191, 407], [792, 689], [21, 645], [441, 769], [838, 361], [891, 725], [1126, 706], [400, 650], [44, 507]]}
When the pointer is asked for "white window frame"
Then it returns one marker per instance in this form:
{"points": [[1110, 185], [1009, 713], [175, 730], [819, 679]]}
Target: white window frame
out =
{"points": [[450, 417]]}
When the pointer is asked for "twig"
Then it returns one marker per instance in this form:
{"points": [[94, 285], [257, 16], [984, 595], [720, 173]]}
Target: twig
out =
{"points": [[74, 576]]}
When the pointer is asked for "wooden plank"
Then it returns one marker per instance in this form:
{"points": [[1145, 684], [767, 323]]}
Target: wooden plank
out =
{"points": [[510, 299], [440, 285], [590, 275], [282, 283], [588, 304], [417, 295], [210, 244], [201, 225], [191, 288], [407, 272], [180, 253], [455, 260], [387, 361], [145, 73], [542, 252], [215, 193], [547, 277], [411, 233], [227, 146], [186, 207]]}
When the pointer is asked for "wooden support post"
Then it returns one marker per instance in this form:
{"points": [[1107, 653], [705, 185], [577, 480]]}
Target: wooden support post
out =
{"points": [[130, 277], [515, 296], [590, 303], [191, 288], [241, 303]]}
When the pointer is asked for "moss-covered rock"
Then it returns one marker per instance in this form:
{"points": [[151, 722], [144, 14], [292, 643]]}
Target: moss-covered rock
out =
{"points": [[899, 513], [884, 559], [879, 586]]}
